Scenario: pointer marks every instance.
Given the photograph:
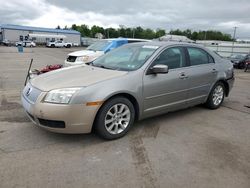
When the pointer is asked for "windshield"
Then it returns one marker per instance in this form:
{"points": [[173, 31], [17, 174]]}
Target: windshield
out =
{"points": [[99, 46], [126, 58]]}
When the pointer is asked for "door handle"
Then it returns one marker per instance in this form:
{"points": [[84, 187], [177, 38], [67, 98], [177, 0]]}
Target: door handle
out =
{"points": [[183, 75], [214, 70]]}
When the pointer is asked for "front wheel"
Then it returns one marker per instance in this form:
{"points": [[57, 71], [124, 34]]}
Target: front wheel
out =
{"points": [[216, 96], [115, 118]]}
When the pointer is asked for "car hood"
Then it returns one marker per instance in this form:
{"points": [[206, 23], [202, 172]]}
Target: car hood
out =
{"points": [[77, 76], [86, 53]]}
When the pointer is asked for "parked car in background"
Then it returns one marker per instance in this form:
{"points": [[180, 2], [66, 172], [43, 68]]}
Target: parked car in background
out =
{"points": [[5, 42], [59, 44], [239, 60], [75, 44], [96, 50], [135, 81], [26, 43]]}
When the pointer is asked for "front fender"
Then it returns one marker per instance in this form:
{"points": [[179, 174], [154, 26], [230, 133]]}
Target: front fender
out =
{"points": [[130, 84]]}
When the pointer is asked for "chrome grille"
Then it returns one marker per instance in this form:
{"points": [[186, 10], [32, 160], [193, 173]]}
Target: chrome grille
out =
{"points": [[71, 59], [31, 93]]}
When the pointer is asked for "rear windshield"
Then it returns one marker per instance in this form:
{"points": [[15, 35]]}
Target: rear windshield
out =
{"points": [[99, 46]]}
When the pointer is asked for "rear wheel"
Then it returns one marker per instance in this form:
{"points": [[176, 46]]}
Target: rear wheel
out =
{"points": [[52, 46], [115, 118], [241, 65], [216, 96]]}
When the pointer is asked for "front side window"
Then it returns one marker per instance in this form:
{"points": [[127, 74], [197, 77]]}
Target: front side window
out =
{"points": [[199, 57], [172, 57], [126, 58]]}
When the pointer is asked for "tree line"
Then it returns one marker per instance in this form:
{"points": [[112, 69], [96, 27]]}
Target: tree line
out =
{"points": [[142, 33], [137, 32], [203, 35]]}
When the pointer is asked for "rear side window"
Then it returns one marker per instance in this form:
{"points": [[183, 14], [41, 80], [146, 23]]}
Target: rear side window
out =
{"points": [[199, 57], [172, 57]]}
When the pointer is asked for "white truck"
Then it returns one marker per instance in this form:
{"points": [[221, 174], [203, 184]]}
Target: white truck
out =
{"points": [[59, 44]]}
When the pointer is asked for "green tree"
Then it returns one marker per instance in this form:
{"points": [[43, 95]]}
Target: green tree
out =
{"points": [[159, 33], [96, 29], [203, 35]]}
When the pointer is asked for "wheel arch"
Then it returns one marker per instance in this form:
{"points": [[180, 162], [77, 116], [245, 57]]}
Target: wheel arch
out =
{"points": [[226, 85], [128, 96], [131, 98]]}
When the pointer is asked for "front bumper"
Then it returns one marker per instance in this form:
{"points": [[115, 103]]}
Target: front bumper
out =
{"points": [[60, 118]]}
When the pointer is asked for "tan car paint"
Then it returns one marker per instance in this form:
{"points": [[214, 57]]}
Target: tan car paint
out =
{"points": [[74, 77]]}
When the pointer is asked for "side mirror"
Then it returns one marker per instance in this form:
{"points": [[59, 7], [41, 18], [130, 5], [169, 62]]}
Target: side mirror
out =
{"points": [[159, 69]]}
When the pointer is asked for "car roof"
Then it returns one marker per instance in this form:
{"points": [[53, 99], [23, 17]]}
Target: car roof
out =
{"points": [[126, 39], [116, 39], [164, 44]]}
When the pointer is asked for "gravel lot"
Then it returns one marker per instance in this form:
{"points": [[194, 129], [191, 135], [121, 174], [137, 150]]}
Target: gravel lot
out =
{"points": [[192, 148]]}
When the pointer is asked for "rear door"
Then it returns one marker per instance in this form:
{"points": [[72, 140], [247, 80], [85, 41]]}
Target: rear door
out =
{"points": [[202, 74], [166, 92]]}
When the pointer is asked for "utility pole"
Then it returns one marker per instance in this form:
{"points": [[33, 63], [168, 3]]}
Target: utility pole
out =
{"points": [[234, 40], [205, 37]]}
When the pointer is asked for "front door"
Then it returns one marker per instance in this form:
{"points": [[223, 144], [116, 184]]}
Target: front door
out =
{"points": [[166, 92]]}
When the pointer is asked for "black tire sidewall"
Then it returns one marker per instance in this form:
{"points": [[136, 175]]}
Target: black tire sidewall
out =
{"points": [[210, 104], [100, 118]]}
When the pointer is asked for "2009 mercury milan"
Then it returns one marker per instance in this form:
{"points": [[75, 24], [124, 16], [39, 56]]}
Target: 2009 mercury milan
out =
{"points": [[132, 82]]}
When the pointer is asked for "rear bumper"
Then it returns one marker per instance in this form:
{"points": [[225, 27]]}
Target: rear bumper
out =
{"points": [[70, 118], [230, 82]]}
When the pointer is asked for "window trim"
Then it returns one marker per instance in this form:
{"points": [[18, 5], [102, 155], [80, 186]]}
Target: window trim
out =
{"points": [[188, 57], [160, 52]]}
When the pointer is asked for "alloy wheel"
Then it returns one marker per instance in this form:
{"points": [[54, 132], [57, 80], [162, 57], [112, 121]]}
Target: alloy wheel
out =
{"points": [[117, 118], [218, 95]]}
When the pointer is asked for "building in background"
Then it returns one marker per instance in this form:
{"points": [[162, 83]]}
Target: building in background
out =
{"points": [[14, 33], [226, 48]]}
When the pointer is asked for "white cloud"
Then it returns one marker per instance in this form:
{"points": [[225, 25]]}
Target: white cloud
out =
{"points": [[183, 14]]}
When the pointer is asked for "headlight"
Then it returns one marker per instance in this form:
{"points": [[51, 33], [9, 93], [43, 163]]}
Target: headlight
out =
{"points": [[83, 58], [61, 96]]}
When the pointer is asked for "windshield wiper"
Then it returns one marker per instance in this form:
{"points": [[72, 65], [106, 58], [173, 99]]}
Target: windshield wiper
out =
{"points": [[102, 66], [91, 49], [89, 63]]}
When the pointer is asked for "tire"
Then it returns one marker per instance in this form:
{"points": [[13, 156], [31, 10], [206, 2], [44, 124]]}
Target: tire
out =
{"points": [[68, 46], [241, 65], [115, 118], [52, 46], [212, 103]]}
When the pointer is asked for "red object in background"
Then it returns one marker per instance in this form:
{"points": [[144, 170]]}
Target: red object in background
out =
{"points": [[247, 65], [49, 68]]}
